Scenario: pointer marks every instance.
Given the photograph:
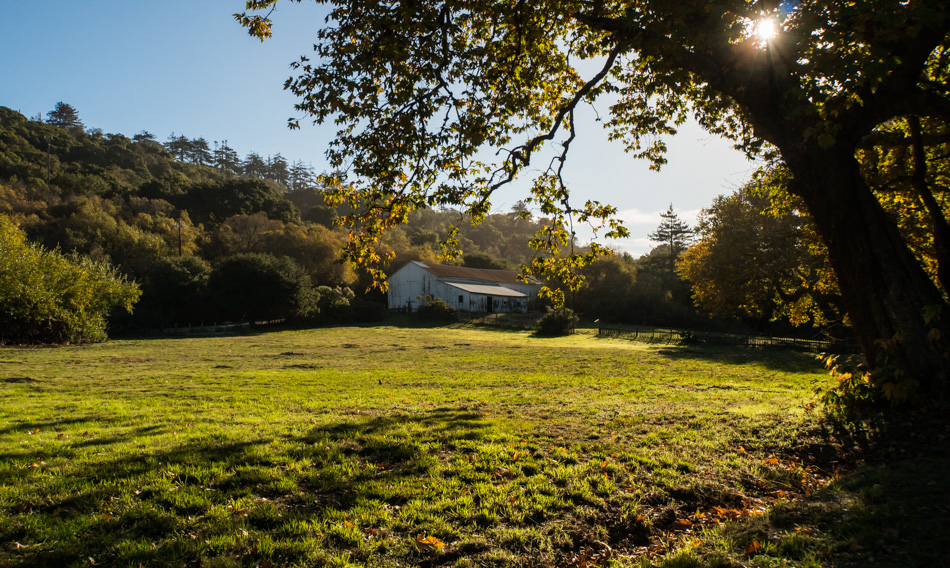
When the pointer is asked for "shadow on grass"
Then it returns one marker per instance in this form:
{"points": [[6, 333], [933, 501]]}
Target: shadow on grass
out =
{"points": [[26, 426], [775, 358], [100, 507], [892, 511]]}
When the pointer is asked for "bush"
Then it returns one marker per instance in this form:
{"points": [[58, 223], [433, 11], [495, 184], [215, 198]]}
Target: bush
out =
{"points": [[558, 321], [254, 286], [46, 297], [436, 309], [175, 291]]}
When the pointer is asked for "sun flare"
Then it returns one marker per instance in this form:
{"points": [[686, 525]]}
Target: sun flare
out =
{"points": [[766, 30]]}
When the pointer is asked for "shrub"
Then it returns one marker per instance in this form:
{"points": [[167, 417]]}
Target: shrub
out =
{"points": [[558, 321], [176, 291], [255, 286], [436, 309], [46, 297]]}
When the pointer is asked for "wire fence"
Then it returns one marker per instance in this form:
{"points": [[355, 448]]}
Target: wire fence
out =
{"points": [[672, 336], [513, 320]]}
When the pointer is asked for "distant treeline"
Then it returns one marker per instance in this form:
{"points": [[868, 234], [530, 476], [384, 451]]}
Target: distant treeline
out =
{"points": [[210, 237]]}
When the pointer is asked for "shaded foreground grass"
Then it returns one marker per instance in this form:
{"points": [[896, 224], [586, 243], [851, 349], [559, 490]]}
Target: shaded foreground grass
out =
{"points": [[341, 446]]}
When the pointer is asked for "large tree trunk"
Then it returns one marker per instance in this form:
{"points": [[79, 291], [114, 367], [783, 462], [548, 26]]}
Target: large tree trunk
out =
{"points": [[886, 292]]}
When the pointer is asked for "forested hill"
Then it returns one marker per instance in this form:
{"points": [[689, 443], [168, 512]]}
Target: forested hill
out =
{"points": [[169, 216]]}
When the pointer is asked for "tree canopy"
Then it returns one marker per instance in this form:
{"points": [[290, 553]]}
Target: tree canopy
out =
{"points": [[753, 261], [426, 94], [64, 115]]}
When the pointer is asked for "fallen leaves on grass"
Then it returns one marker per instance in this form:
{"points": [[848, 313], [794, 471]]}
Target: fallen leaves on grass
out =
{"points": [[428, 543]]}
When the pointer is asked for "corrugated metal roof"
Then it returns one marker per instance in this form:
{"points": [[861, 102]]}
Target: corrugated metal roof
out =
{"points": [[479, 274], [486, 290]]}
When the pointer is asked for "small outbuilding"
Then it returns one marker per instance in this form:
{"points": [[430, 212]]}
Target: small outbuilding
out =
{"points": [[466, 289]]}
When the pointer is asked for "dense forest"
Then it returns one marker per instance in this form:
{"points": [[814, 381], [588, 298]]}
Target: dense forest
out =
{"points": [[210, 237]]}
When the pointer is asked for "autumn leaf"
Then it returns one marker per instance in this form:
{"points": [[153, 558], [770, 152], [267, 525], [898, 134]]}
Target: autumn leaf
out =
{"points": [[753, 548], [804, 531], [428, 543], [772, 461], [685, 522]]}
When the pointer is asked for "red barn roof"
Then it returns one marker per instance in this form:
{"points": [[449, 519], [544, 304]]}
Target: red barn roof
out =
{"points": [[477, 274]]}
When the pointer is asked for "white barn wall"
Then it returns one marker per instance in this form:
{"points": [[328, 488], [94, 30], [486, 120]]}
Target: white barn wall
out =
{"points": [[412, 282], [406, 285]]}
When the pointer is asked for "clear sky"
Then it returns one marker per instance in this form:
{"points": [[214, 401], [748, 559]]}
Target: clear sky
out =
{"points": [[185, 66]]}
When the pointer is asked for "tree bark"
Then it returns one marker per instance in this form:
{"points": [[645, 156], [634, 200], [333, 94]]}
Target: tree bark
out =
{"points": [[884, 289]]}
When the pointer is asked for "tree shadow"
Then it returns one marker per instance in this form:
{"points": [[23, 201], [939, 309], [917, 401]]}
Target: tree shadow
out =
{"points": [[774, 358], [164, 494], [892, 510]]}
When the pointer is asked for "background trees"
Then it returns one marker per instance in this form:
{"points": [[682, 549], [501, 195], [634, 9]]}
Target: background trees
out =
{"points": [[751, 261]]}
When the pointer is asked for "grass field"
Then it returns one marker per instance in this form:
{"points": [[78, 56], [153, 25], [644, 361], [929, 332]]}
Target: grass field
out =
{"points": [[401, 446]]}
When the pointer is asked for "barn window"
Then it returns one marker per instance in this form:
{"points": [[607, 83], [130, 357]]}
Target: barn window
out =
{"points": [[460, 299]]}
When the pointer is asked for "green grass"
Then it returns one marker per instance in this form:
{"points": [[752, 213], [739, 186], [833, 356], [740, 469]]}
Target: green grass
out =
{"points": [[339, 446]]}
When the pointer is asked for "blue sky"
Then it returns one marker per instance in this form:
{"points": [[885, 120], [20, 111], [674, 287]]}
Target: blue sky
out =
{"points": [[187, 67]]}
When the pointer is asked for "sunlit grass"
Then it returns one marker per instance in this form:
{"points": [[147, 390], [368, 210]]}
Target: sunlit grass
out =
{"points": [[337, 447]]}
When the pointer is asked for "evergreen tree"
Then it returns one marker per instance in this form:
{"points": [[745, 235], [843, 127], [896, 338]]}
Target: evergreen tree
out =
{"points": [[178, 146], [144, 136], [301, 176], [225, 158], [255, 166], [64, 116], [199, 151], [277, 169], [673, 233]]}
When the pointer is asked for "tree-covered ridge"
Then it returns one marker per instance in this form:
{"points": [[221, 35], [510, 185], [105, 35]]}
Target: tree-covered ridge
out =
{"points": [[168, 223]]}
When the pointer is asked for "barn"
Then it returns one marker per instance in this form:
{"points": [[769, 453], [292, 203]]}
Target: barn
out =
{"points": [[466, 289]]}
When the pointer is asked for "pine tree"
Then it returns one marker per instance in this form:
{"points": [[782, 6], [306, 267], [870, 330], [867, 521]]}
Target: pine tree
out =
{"points": [[144, 136], [64, 116], [199, 151], [255, 166], [673, 233], [178, 146], [301, 175], [277, 169], [225, 158]]}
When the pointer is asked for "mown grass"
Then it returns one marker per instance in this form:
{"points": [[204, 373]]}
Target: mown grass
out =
{"points": [[341, 446]]}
